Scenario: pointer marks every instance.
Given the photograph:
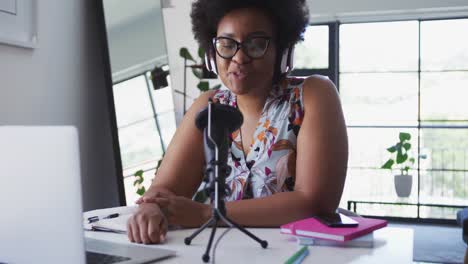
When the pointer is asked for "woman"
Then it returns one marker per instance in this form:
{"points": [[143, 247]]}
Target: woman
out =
{"points": [[288, 158]]}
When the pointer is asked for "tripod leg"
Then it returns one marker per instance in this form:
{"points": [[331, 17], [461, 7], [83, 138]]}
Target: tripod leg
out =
{"points": [[206, 256], [263, 243], [188, 240]]}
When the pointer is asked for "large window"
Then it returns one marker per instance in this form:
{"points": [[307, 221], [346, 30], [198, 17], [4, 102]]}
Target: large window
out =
{"points": [[405, 76], [146, 124]]}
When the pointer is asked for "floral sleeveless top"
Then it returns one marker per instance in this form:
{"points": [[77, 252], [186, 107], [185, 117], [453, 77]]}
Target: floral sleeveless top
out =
{"points": [[270, 165]]}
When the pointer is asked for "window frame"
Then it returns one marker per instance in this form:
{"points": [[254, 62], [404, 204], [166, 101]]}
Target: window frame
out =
{"points": [[334, 73]]}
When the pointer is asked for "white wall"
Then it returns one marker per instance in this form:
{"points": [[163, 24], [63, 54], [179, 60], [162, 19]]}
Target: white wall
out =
{"points": [[179, 34], [61, 83]]}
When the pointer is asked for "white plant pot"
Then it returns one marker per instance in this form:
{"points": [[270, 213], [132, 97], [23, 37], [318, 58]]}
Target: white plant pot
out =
{"points": [[403, 184]]}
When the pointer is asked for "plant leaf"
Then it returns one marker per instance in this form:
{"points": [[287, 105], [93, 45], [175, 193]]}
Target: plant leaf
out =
{"points": [[401, 158], [203, 86], [184, 53], [138, 180], [407, 146], [398, 146], [198, 73], [139, 173], [141, 191], [392, 149], [406, 169], [412, 160], [388, 164], [404, 136], [216, 87]]}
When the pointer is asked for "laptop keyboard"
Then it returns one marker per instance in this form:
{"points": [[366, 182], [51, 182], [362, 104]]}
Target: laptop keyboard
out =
{"points": [[99, 258]]}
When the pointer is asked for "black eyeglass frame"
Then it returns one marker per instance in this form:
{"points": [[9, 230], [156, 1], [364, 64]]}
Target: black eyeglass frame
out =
{"points": [[239, 46]]}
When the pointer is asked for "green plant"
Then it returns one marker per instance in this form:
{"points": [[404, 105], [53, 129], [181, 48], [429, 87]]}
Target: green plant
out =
{"points": [[199, 69], [138, 183], [200, 196], [400, 154]]}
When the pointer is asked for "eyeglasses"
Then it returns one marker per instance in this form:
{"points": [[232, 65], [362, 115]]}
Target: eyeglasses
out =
{"points": [[254, 47]]}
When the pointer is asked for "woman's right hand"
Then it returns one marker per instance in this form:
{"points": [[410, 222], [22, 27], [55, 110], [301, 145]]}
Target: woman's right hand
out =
{"points": [[147, 225]]}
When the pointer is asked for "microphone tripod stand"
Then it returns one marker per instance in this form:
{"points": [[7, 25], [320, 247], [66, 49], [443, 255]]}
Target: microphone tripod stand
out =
{"points": [[217, 169]]}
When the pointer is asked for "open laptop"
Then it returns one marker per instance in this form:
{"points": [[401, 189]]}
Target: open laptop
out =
{"points": [[40, 202]]}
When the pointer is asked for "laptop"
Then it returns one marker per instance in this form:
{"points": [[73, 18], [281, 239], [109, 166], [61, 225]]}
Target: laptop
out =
{"points": [[41, 206]]}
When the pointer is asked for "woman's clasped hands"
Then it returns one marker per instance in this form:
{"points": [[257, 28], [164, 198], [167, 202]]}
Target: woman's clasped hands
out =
{"points": [[149, 224]]}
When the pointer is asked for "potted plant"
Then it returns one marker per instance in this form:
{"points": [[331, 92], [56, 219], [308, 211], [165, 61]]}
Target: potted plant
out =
{"points": [[198, 69], [401, 160]]}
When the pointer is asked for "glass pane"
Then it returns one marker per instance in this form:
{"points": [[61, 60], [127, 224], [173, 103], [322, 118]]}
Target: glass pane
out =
{"points": [[384, 46], [445, 149], [444, 187], [444, 174], [366, 150], [389, 210], [444, 95], [438, 212], [379, 98], [444, 45], [131, 191], [163, 101], [132, 102], [312, 53], [167, 124], [368, 185], [139, 143]]}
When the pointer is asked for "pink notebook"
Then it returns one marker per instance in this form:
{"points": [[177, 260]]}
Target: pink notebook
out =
{"points": [[311, 227]]}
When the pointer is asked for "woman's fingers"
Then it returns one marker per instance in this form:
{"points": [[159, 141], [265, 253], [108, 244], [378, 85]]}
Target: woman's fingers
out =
{"points": [[129, 230], [135, 231], [143, 225], [162, 202], [139, 201], [148, 225], [155, 232]]}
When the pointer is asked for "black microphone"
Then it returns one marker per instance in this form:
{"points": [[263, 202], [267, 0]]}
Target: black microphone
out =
{"points": [[225, 119], [217, 121]]}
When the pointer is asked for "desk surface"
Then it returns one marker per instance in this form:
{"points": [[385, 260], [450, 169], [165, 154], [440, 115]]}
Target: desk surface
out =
{"points": [[391, 245]]}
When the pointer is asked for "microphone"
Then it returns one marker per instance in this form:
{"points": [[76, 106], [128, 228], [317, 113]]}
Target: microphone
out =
{"points": [[217, 121]]}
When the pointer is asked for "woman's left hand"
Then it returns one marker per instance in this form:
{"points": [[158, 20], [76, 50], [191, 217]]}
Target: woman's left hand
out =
{"points": [[180, 210]]}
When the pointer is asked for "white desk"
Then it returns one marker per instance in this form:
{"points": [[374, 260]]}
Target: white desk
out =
{"points": [[391, 245]]}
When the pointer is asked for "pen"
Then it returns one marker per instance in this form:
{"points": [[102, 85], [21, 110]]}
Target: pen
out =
{"points": [[105, 229], [97, 218], [301, 257], [297, 256]]}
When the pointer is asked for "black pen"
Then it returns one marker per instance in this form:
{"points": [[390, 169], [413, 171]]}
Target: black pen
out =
{"points": [[97, 218]]}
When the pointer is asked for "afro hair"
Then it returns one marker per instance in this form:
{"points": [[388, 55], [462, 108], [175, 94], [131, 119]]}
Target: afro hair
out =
{"points": [[290, 18]]}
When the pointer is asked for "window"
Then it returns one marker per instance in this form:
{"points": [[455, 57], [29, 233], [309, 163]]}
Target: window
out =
{"points": [[316, 54], [146, 124], [409, 76], [314, 49]]}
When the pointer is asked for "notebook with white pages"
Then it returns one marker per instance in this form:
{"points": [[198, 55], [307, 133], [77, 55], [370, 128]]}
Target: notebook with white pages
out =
{"points": [[112, 219]]}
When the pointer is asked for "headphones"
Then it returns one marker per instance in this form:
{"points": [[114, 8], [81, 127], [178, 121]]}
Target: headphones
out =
{"points": [[286, 65]]}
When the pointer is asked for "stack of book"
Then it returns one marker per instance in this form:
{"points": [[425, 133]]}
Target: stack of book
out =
{"points": [[310, 231]]}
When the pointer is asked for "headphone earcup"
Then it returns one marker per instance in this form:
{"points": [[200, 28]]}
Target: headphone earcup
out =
{"points": [[291, 58], [287, 60], [210, 63]]}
